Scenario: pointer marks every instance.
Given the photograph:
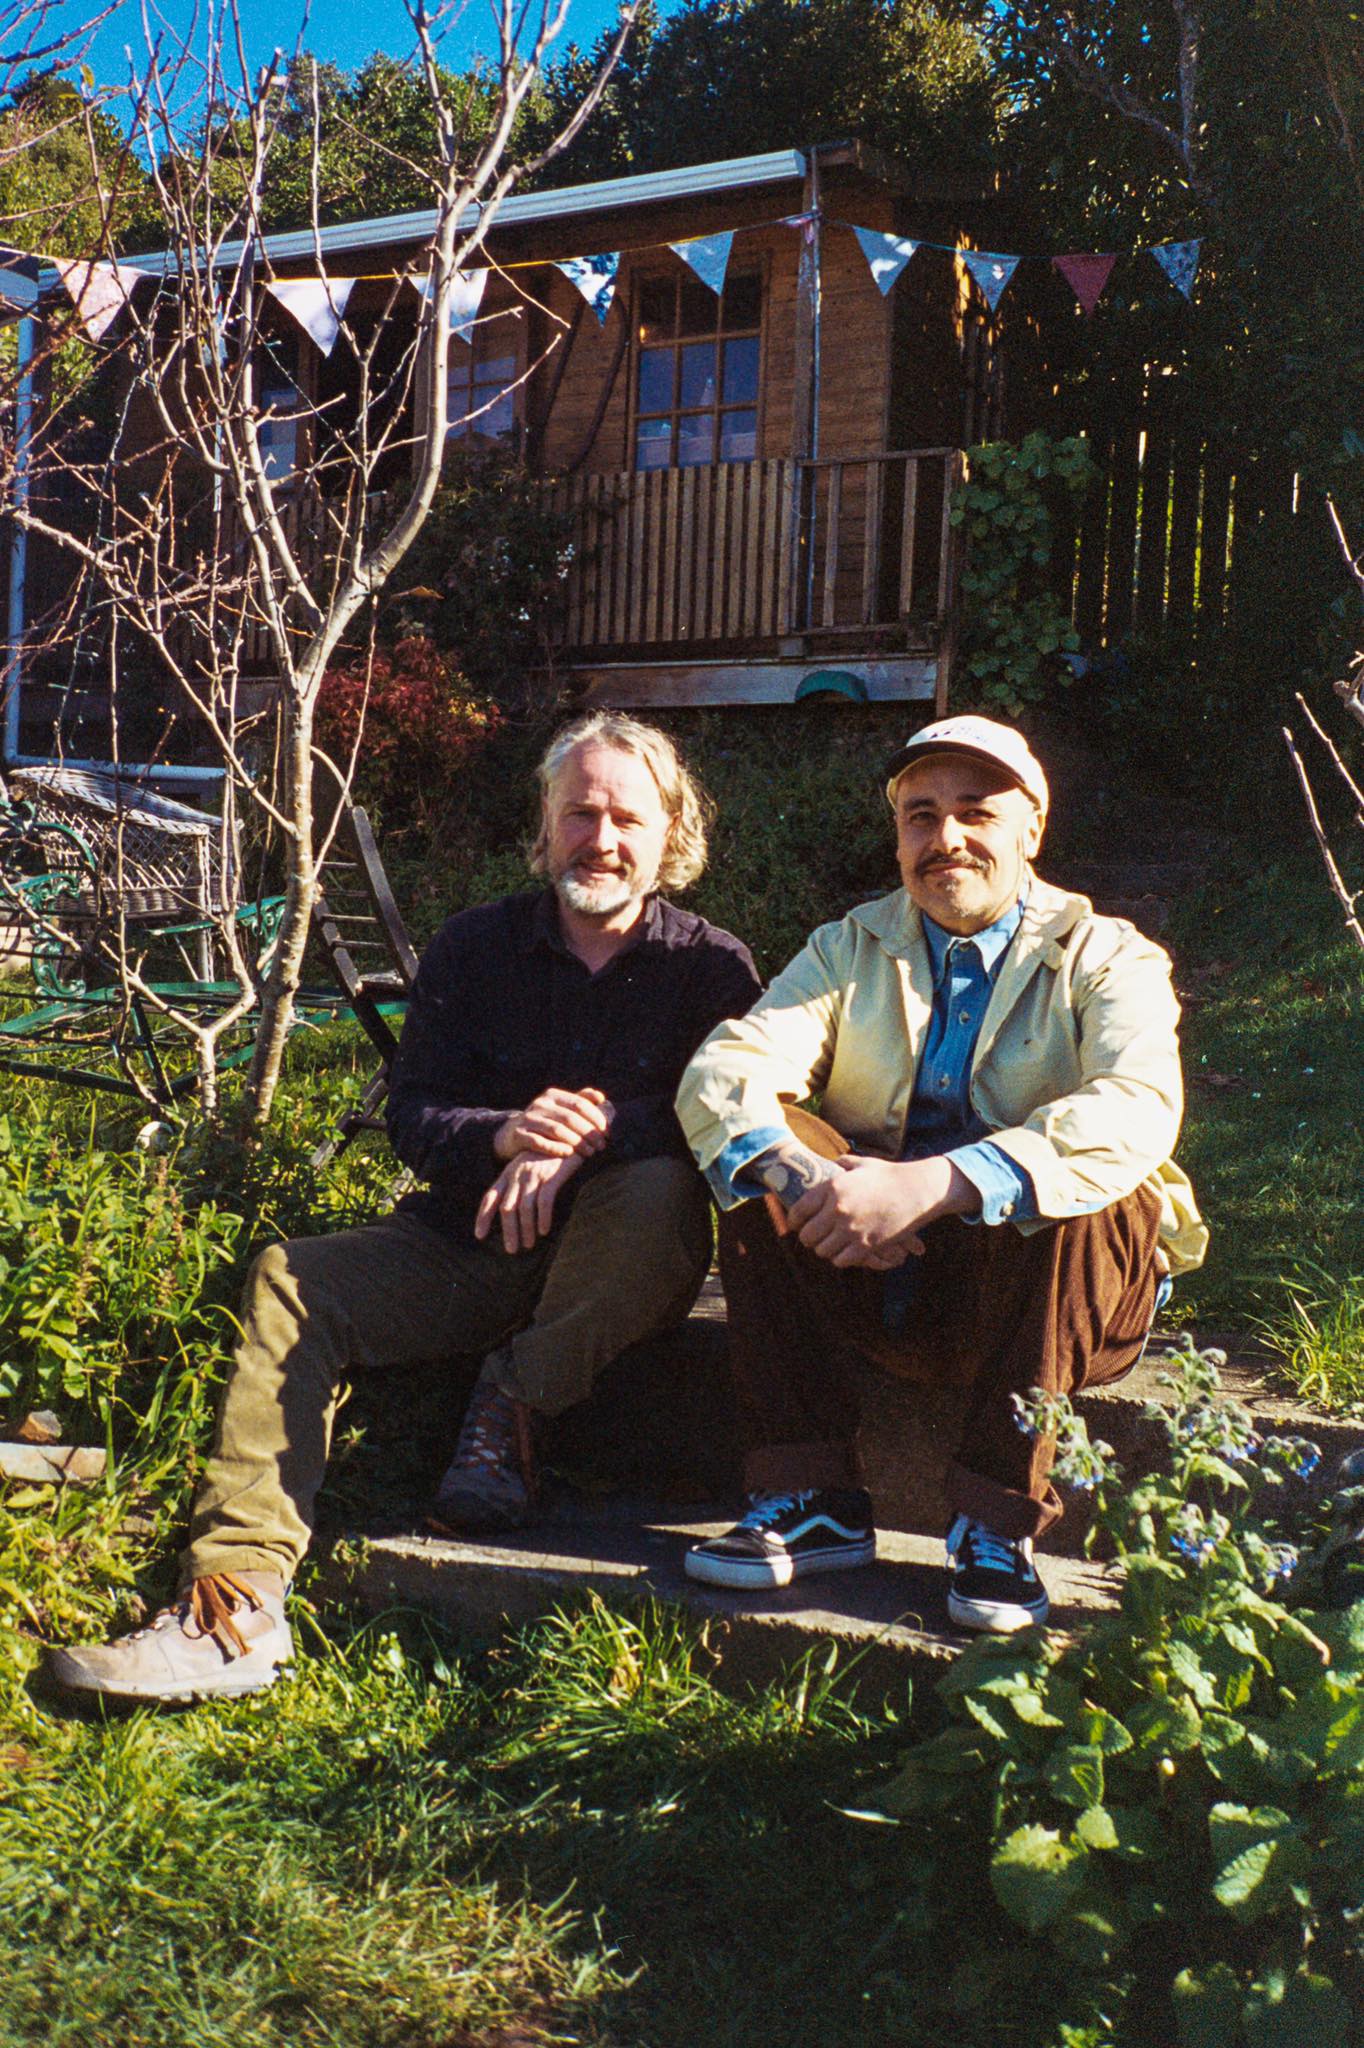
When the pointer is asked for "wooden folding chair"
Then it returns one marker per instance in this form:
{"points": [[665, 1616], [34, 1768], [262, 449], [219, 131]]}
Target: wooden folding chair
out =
{"points": [[360, 929]]}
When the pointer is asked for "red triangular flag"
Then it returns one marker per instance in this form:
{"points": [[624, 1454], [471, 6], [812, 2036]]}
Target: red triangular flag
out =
{"points": [[1086, 276]]}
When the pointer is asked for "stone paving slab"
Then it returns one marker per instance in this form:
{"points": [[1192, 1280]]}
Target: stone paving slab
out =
{"points": [[891, 1616]]}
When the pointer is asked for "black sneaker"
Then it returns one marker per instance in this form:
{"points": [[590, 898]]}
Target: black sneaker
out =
{"points": [[785, 1535], [993, 1583]]}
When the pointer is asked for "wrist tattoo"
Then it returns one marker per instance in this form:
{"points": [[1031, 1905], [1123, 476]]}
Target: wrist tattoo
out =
{"points": [[789, 1171]]}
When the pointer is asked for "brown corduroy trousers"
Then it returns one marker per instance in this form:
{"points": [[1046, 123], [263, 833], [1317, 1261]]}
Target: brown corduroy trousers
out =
{"points": [[992, 1311]]}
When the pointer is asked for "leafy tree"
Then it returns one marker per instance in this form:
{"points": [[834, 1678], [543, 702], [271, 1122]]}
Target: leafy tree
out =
{"points": [[722, 78], [69, 185]]}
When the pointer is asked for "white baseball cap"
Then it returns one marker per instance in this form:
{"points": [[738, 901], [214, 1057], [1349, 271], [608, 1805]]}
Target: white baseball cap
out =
{"points": [[984, 738]]}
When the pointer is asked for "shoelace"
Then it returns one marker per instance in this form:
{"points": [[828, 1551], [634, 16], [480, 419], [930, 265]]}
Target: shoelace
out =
{"points": [[980, 1546], [772, 1507], [207, 1610], [489, 1434]]}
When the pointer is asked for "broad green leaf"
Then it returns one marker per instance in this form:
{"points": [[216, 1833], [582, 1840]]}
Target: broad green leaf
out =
{"points": [[1032, 1708], [1189, 1669], [1103, 1730], [1208, 2007], [1311, 2013], [1165, 1724], [1096, 1829], [1036, 1876], [1075, 1774]]}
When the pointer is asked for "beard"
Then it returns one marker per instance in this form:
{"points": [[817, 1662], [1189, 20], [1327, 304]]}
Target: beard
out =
{"points": [[601, 892]]}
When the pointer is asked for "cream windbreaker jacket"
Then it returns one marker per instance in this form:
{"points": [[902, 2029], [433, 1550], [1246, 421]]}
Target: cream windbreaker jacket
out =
{"points": [[1076, 1070]]}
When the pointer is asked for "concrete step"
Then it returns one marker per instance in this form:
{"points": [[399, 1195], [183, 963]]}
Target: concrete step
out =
{"points": [[890, 1617], [654, 1460]]}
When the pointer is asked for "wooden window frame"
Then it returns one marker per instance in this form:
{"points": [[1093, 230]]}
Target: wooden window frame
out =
{"points": [[759, 268], [513, 313]]}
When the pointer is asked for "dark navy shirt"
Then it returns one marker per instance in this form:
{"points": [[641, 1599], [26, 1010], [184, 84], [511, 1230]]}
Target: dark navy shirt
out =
{"points": [[502, 1009]]}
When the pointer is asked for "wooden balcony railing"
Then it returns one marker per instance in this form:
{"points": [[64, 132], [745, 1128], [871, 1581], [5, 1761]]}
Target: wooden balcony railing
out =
{"points": [[730, 556], [743, 552]]}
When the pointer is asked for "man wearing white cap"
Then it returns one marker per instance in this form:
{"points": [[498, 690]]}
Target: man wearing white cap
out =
{"points": [[987, 1199]]}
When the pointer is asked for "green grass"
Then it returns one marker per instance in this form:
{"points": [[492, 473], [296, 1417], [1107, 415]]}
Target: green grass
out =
{"points": [[1274, 1136], [404, 1844]]}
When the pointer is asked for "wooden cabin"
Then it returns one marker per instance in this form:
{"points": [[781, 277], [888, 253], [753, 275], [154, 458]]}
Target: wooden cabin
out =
{"points": [[755, 482]]}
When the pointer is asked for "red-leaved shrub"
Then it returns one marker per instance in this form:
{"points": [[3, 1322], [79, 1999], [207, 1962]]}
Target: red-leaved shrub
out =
{"points": [[421, 726]]}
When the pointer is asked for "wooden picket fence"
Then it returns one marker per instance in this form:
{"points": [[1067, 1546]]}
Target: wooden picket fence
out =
{"points": [[1179, 525]]}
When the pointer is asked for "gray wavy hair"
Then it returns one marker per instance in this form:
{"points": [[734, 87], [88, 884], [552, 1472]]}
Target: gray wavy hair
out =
{"points": [[688, 807]]}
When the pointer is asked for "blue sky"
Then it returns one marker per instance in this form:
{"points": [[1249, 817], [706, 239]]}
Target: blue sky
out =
{"points": [[343, 31]]}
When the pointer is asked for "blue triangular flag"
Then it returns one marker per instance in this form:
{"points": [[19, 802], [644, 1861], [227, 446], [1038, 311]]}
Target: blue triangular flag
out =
{"points": [[887, 254], [991, 272], [1179, 261], [708, 256], [595, 277]]}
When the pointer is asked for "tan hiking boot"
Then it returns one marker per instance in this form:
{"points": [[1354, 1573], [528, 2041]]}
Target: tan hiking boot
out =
{"points": [[491, 1481], [225, 1636]]}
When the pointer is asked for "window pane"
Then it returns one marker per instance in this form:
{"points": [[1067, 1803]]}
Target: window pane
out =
{"points": [[741, 371], [743, 302], [496, 371], [738, 436], [657, 308], [278, 448], [698, 373], [653, 444], [655, 379], [278, 438], [695, 439], [697, 308]]}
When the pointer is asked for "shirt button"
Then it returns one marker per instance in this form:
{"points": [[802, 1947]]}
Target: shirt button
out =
{"points": [[944, 1080], [963, 1016]]}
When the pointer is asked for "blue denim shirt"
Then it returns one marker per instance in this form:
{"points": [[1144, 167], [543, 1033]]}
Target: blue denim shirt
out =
{"points": [[941, 1120]]}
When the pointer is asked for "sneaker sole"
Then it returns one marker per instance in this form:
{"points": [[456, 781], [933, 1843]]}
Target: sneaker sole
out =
{"points": [[764, 1572], [226, 1687], [996, 1617], [457, 1515]]}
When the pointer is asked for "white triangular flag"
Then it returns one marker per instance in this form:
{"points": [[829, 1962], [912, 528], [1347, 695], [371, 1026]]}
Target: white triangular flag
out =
{"points": [[99, 291], [595, 277], [887, 254], [466, 296], [708, 256], [317, 303]]}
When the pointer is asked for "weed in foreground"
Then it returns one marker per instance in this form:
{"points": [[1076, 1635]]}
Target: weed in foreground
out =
{"points": [[1319, 1335]]}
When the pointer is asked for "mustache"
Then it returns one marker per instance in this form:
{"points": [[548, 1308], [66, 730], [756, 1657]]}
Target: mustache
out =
{"points": [[960, 860]]}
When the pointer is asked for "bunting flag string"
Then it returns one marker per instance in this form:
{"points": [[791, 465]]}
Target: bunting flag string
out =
{"points": [[100, 289], [708, 256], [887, 255], [1086, 275], [595, 277]]}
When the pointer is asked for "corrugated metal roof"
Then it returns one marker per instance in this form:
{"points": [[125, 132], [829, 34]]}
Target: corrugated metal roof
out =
{"points": [[775, 167]]}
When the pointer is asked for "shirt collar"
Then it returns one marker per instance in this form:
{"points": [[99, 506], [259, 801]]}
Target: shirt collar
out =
{"points": [[544, 925], [990, 943]]}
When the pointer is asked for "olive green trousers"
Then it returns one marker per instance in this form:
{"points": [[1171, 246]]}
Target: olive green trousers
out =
{"points": [[627, 1261]]}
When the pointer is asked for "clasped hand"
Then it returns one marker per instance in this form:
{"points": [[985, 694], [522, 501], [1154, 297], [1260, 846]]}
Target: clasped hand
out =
{"points": [[544, 1146], [869, 1212]]}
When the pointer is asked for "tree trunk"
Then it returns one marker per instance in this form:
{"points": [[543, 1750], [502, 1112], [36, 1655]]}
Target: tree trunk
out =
{"points": [[279, 995]]}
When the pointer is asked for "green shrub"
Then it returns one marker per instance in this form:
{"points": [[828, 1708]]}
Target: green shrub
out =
{"points": [[1014, 627], [1172, 1803]]}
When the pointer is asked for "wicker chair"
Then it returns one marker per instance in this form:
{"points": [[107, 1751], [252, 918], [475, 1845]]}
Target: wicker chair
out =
{"points": [[153, 858]]}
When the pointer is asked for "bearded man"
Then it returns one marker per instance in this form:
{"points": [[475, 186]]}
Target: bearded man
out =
{"points": [[562, 1219], [987, 1198]]}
